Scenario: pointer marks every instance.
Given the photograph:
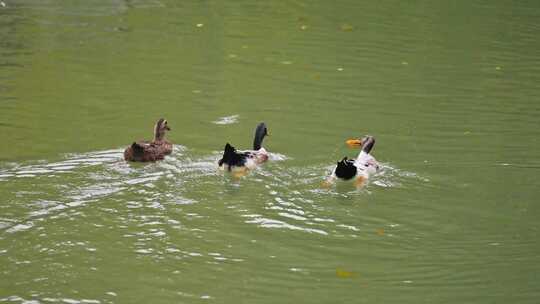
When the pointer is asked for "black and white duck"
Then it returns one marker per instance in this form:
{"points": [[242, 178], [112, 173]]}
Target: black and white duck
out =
{"points": [[360, 169], [241, 161]]}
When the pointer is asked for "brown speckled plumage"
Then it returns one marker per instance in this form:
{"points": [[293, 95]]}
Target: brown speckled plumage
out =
{"points": [[145, 151]]}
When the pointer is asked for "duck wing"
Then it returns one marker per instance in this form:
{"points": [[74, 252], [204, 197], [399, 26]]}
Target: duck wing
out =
{"points": [[345, 169], [257, 156], [162, 147]]}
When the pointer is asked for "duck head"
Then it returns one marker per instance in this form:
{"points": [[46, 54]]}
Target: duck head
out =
{"points": [[260, 132], [160, 128]]}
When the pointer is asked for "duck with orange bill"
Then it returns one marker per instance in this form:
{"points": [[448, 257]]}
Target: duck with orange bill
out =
{"points": [[145, 151], [239, 162], [356, 170]]}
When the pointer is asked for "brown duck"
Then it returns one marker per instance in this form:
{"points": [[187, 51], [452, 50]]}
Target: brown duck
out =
{"points": [[144, 151]]}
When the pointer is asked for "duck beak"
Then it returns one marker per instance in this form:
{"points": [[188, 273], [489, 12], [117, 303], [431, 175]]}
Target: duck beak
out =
{"points": [[354, 143]]}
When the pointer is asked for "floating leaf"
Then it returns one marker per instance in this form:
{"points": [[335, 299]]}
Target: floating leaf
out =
{"points": [[347, 27], [380, 231], [340, 273]]}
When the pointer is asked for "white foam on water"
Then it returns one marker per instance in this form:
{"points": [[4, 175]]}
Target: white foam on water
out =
{"points": [[270, 223], [20, 227], [227, 120]]}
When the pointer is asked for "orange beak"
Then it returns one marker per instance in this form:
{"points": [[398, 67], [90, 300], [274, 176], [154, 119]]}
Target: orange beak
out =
{"points": [[354, 143]]}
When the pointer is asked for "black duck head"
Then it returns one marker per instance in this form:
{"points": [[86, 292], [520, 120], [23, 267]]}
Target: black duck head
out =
{"points": [[368, 142], [260, 132]]}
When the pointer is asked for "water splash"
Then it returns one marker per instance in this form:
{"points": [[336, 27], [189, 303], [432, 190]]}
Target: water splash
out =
{"points": [[291, 194]]}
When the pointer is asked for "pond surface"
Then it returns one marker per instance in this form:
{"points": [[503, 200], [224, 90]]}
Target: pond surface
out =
{"points": [[450, 90]]}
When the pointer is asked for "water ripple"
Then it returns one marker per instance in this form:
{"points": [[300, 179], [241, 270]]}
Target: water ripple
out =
{"points": [[227, 120]]}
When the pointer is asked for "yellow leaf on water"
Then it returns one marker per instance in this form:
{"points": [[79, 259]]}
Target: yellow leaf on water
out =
{"points": [[340, 273], [380, 231], [347, 27]]}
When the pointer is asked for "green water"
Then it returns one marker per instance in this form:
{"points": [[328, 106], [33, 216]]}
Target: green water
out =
{"points": [[451, 91]]}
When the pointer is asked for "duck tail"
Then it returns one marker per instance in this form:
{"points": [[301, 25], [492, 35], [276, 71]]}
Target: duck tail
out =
{"points": [[137, 149], [228, 156], [229, 149]]}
